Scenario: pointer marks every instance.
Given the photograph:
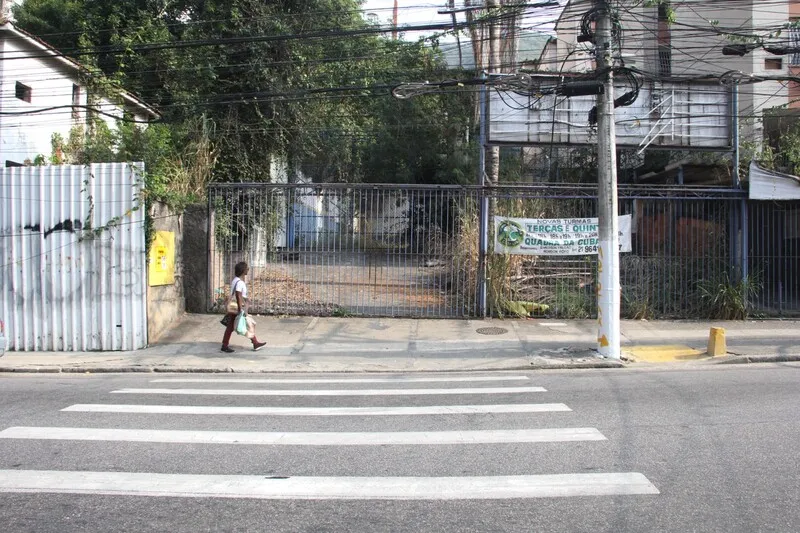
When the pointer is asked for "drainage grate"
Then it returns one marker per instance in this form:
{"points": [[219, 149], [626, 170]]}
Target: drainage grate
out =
{"points": [[491, 331]]}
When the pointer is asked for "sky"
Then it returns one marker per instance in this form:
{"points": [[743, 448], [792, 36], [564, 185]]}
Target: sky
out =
{"points": [[410, 12], [418, 12]]}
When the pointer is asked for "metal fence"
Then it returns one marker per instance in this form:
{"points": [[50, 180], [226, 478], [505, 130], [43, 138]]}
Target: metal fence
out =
{"points": [[73, 275], [774, 258], [681, 248], [412, 251], [346, 249]]}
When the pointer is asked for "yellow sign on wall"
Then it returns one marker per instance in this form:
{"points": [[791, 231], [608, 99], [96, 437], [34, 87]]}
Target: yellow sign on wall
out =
{"points": [[161, 269]]}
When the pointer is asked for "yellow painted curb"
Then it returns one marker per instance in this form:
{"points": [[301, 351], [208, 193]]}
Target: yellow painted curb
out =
{"points": [[663, 353]]}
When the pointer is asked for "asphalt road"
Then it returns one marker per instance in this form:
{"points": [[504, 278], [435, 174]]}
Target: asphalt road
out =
{"points": [[705, 449]]}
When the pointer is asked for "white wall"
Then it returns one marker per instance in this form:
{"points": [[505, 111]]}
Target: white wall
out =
{"points": [[27, 135]]}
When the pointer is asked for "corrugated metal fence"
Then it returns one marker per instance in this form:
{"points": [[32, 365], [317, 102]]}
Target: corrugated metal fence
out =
{"points": [[72, 257], [412, 251]]}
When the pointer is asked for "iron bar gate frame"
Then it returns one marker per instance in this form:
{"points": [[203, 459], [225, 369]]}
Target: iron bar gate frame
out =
{"points": [[688, 204]]}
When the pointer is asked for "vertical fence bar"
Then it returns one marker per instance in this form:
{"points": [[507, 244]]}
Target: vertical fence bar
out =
{"points": [[380, 237]]}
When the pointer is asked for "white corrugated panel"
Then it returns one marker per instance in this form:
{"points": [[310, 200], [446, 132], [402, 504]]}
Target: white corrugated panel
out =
{"points": [[770, 185], [65, 286]]}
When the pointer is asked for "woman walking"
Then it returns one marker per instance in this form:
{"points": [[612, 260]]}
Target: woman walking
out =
{"points": [[239, 297]]}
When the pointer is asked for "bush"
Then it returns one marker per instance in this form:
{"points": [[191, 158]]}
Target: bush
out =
{"points": [[725, 299]]}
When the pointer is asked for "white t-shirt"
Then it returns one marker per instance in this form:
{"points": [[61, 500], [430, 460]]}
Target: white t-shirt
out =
{"points": [[238, 286]]}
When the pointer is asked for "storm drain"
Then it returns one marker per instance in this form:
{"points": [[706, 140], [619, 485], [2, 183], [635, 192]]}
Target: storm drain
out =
{"points": [[491, 331]]}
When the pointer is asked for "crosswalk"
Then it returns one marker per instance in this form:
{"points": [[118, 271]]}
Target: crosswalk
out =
{"points": [[384, 392]]}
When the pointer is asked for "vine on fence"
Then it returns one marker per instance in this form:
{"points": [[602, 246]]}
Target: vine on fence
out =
{"points": [[178, 163], [89, 231]]}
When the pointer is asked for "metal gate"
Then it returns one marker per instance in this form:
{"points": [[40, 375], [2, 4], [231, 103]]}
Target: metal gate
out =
{"points": [[412, 251], [774, 257], [373, 250]]}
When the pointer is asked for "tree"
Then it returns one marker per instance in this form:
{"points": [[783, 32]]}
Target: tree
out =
{"points": [[320, 103]]}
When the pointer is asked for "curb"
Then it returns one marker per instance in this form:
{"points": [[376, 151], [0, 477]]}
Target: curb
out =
{"points": [[566, 365], [752, 359], [230, 370]]}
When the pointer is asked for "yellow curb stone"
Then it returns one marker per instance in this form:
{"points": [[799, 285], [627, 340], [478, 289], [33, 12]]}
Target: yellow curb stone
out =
{"points": [[663, 353], [716, 342]]}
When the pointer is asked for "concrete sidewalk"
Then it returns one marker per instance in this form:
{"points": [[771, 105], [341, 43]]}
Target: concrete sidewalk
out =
{"points": [[309, 344]]}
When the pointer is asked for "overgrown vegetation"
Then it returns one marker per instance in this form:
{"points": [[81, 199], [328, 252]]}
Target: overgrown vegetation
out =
{"points": [[694, 281], [728, 298], [320, 105], [178, 162]]}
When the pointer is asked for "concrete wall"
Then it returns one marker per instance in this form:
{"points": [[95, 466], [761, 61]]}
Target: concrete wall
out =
{"points": [[195, 253], [166, 303]]}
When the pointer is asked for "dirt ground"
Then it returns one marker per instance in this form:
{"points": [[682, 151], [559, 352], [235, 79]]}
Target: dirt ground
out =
{"points": [[353, 285]]}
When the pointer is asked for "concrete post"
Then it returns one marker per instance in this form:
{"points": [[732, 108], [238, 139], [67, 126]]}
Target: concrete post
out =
{"points": [[608, 289]]}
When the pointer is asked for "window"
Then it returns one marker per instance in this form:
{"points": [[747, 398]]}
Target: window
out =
{"points": [[665, 60], [773, 63], [794, 40], [76, 101], [664, 40], [23, 92]]}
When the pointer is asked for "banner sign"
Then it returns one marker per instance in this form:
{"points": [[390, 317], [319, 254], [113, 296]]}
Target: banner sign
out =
{"points": [[554, 236]]}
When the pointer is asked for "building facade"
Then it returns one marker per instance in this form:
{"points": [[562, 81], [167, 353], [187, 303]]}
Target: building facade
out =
{"points": [[43, 92], [688, 43]]}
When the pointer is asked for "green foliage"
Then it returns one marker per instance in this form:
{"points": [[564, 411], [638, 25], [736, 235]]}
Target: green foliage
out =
{"points": [[670, 10], [725, 298], [341, 312], [783, 153], [178, 161], [573, 301]]}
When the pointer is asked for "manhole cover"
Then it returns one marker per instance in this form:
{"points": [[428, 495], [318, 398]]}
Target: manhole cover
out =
{"points": [[491, 331]]}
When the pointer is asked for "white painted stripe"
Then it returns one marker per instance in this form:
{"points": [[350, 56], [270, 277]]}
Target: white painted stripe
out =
{"points": [[553, 324], [398, 379], [319, 411], [332, 392], [325, 488], [306, 439]]}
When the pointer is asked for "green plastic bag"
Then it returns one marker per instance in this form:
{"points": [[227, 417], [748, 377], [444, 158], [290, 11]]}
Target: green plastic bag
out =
{"points": [[241, 323]]}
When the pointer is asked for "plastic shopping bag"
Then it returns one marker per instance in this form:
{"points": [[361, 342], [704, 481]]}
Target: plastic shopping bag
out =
{"points": [[241, 323], [251, 328]]}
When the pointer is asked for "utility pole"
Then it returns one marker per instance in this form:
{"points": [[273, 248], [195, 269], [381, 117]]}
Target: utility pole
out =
{"points": [[608, 285], [394, 21], [483, 216], [494, 68], [489, 157]]}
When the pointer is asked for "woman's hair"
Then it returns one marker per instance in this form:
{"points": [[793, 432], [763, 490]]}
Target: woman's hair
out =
{"points": [[240, 268]]}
